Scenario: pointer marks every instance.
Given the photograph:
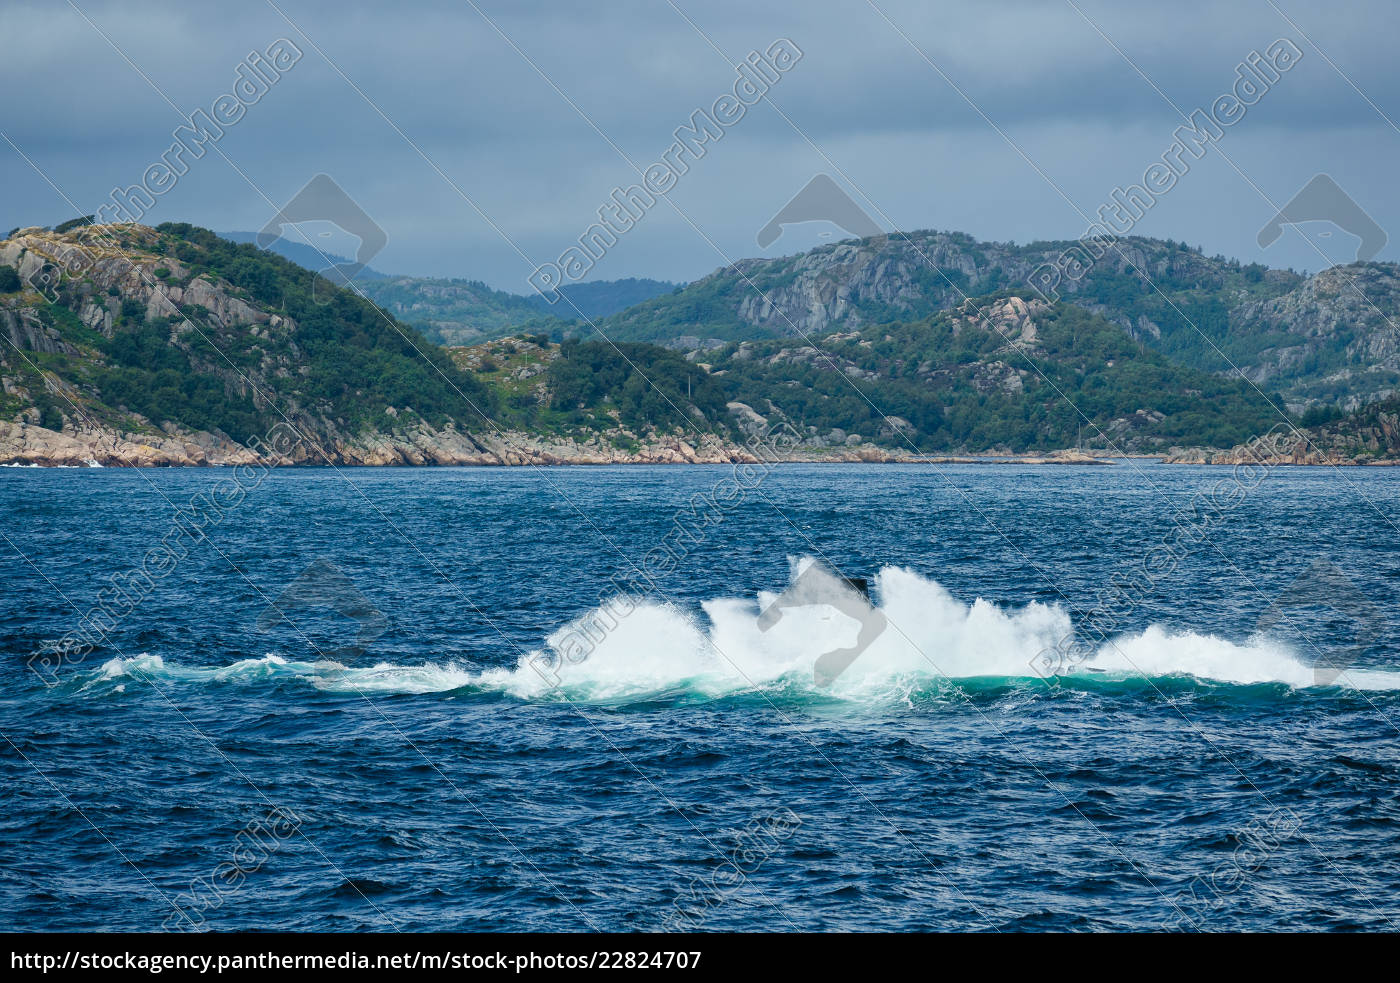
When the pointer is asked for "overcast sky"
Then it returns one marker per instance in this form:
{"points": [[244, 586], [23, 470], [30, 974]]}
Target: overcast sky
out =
{"points": [[1006, 120]]}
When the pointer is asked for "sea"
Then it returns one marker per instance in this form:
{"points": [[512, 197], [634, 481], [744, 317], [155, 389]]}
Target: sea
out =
{"points": [[1125, 697]]}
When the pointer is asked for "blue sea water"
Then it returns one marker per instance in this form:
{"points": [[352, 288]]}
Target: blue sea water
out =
{"points": [[346, 706]]}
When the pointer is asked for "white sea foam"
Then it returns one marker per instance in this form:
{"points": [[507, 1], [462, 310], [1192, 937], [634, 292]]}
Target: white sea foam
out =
{"points": [[325, 675], [89, 463], [930, 638]]}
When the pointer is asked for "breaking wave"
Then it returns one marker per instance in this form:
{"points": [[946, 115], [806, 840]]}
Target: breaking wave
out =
{"points": [[930, 642]]}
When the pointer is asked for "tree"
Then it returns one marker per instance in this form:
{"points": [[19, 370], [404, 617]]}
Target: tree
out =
{"points": [[73, 223]]}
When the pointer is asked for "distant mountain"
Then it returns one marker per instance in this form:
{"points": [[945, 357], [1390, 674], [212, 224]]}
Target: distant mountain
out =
{"points": [[463, 312], [453, 311], [458, 312], [602, 298], [302, 254], [1330, 338]]}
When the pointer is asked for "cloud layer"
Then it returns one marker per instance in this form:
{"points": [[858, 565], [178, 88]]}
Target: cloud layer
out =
{"points": [[483, 136]]}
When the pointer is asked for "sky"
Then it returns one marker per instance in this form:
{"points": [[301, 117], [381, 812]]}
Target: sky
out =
{"points": [[479, 138]]}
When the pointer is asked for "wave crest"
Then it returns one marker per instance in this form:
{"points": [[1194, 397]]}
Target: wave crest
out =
{"points": [[930, 641]]}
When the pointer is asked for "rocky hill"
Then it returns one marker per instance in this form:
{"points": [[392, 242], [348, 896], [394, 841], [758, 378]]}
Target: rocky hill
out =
{"points": [[1332, 338], [464, 312], [1008, 373], [130, 345], [124, 344]]}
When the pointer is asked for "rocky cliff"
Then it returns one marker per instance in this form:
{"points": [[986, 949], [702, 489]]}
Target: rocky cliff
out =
{"points": [[1336, 336], [1370, 435], [126, 345], [1331, 338]]}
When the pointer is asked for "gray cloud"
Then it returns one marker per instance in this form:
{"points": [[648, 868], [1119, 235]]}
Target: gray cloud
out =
{"points": [[466, 98]]}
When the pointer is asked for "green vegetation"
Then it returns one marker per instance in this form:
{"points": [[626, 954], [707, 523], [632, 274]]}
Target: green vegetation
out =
{"points": [[961, 387], [707, 308], [645, 386], [146, 374], [350, 359], [459, 311], [10, 281], [1190, 301], [945, 381], [948, 383], [590, 388], [74, 223]]}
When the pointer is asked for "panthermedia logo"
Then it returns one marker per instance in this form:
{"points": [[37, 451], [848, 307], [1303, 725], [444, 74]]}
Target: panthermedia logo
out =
{"points": [[1323, 200], [820, 200], [817, 586], [1324, 590], [322, 200], [323, 585]]}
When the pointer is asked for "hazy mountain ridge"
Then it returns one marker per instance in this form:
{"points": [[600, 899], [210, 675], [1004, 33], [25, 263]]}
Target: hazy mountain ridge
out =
{"points": [[458, 311], [302, 253], [593, 299]]}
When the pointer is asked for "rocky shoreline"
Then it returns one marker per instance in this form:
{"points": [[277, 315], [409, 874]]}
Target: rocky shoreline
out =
{"points": [[1368, 437], [1301, 458], [28, 444]]}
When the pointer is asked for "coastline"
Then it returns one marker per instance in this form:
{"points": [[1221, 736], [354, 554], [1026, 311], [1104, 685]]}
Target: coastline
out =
{"points": [[29, 445], [24, 445]]}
